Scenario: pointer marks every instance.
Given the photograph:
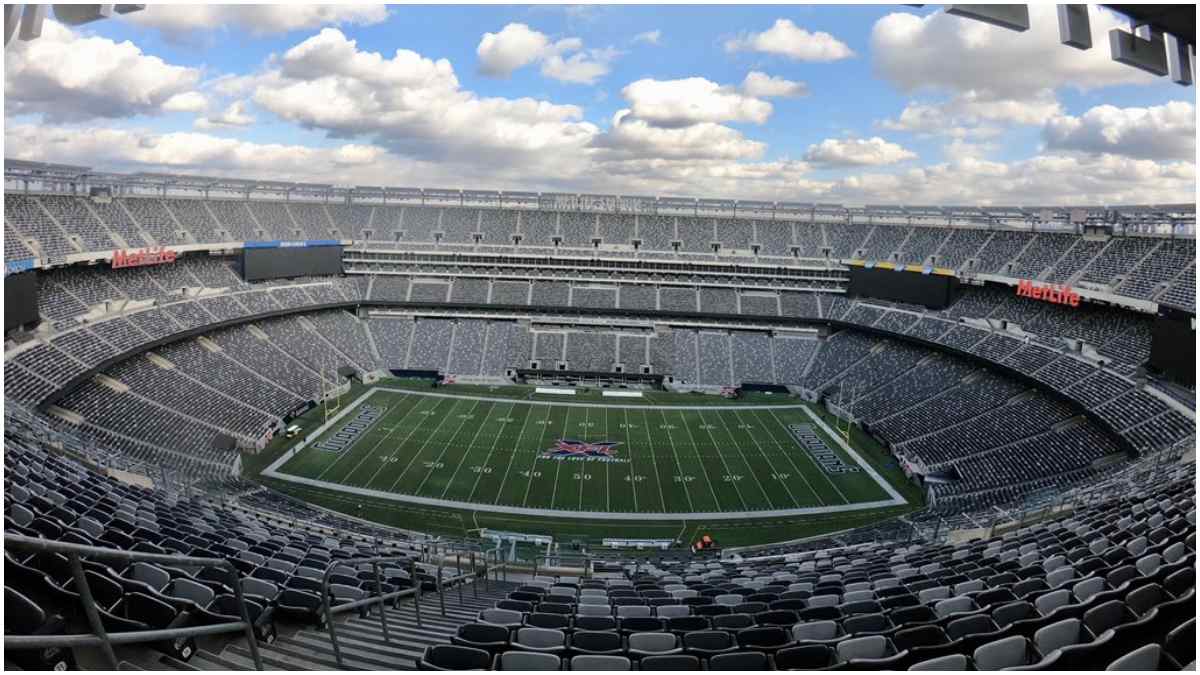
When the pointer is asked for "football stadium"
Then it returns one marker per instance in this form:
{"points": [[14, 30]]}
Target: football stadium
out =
{"points": [[265, 408]]}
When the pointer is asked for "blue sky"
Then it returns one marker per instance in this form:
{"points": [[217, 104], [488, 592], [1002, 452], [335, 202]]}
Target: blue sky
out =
{"points": [[858, 104]]}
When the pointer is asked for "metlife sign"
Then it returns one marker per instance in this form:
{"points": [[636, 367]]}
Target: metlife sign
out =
{"points": [[597, 203]]}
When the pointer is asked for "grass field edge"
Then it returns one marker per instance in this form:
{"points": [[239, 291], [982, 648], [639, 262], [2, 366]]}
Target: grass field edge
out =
{"points": [[272, 471]]}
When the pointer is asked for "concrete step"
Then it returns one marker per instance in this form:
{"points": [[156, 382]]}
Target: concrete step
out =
{"points": [[206, 660], [272, 660], [320, 656], [405, 637], [355, 652]]}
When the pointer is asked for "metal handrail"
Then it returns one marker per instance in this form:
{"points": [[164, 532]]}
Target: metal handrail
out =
{"points": [[585, 558], [329, 609], [100, 636]]}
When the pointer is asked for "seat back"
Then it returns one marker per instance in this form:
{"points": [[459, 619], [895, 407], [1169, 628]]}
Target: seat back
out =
{"points": [[540, 638], [591, 662], [1003, 653], [527, 661], [653, 642], [456, 657], [867, 647]]}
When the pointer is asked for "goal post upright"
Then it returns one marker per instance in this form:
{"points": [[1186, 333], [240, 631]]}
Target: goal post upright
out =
{"points": [[333, 394]]}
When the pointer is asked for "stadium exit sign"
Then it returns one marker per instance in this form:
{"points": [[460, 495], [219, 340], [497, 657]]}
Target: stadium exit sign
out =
{"points": [[1059, 295]]}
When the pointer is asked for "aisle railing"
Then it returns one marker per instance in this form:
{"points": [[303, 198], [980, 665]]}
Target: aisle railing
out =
{"points": [[100, 636]]}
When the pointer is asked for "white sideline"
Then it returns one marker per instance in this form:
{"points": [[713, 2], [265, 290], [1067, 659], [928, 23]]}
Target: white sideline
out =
{"points": [[272, 472]]}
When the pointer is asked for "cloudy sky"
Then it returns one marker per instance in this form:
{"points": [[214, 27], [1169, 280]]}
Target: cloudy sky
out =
{"points": [[878, 104]]}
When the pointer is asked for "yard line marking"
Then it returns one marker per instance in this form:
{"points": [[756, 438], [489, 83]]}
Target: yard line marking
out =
{"points": [[678, 464], [789, 451], [814, 463], [738, 447], [513, 455], [533, 463], [608, 474], [466, 453], [488, 459], [583, 471], [657, 476], [754, 439], [428, 438], [350, 450], [370, 452], [399, 445], [704, 467]]}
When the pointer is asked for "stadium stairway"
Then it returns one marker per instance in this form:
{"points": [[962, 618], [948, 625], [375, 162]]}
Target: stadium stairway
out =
{"points": [[360, 639]]}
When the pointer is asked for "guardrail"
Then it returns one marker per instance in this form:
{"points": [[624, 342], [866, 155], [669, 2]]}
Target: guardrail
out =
{"points": [[584, 558], [99, 635], [330, 610]]}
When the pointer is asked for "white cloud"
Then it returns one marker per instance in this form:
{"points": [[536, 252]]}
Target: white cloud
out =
{"points": [[629, 137], [412, 104], [1044, 179], [785, 38], [130, 149], [650, 37], [873, 151], [234, 115], [967, 114], [767, 86], [1158, 132], [65, 76], [191, 101], [180, 21], [583, 67], [692, 100], [517, 45], [950, 54]]}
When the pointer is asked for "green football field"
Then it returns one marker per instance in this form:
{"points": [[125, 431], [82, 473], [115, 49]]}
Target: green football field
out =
{"points": [[668, 454]]}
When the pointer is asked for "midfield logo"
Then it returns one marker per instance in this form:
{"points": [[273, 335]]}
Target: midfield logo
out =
{"points": [[573, 450]]}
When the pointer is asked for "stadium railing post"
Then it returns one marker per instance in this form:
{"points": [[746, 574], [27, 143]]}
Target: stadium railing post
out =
{"points": [[330, 624], [240, 597], [382, 606], [89, 608], [440, 588], [475, 573], [458, 569], [412, 574]]}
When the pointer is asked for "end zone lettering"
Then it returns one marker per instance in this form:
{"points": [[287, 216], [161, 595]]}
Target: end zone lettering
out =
{"points": [[352, 430], [822, 454], [1059, 295]]}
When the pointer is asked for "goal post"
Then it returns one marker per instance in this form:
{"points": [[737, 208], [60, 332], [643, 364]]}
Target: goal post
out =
{"points": [[331, 393]]}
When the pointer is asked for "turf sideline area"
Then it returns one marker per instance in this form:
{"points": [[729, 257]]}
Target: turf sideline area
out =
{"points": [[273, 470]]}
